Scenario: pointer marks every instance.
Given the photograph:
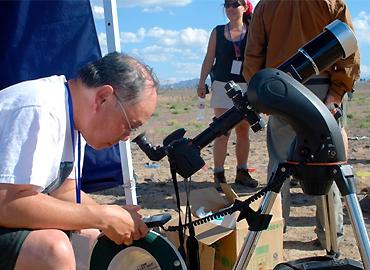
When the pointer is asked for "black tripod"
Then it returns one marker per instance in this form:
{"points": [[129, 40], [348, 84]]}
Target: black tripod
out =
{"points": [[344, 178]]}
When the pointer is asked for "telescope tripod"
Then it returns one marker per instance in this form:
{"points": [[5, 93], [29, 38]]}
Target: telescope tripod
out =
{"points": [[343, 175]]}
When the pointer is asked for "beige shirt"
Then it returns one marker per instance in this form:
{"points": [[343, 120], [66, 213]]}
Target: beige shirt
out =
{"points": [[280, 27]]}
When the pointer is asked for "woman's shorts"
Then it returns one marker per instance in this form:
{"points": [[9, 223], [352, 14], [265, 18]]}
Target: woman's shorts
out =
{"points": [[11, 241], [219, 99]]}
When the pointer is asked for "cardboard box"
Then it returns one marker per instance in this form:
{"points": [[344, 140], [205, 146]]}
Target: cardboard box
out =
{"points": [[220, 242]]}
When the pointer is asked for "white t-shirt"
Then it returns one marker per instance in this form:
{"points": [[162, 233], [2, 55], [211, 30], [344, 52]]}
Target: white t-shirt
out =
{"points": [[35, 134]]}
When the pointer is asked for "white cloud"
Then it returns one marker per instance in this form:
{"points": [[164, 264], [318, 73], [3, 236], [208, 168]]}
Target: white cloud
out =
{"points": [[102, 37], [129, 37], [190, 69], [156, 53], [163, 36], [153, 3], [153, 53], [154, 57], [153, 9], [98, 12], [190, 36], [365, 71], [180, 50], [361, 24], [193, 37]]}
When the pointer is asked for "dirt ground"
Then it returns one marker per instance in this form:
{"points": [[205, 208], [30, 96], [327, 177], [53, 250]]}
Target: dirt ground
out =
{"points": [[178, 109]]}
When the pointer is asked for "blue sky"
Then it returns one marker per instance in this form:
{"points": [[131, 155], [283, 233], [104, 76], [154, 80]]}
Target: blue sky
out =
{"points": [[172, 35]]}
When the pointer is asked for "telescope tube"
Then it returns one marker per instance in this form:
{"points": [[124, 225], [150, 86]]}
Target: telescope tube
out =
{"points": [[337, 41]]}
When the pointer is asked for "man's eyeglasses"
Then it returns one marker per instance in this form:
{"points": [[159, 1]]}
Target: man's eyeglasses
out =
{"points": [[232, 4], [130, 129]]}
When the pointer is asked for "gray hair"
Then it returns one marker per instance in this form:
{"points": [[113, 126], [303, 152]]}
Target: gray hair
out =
{"points": [[125, 74]]}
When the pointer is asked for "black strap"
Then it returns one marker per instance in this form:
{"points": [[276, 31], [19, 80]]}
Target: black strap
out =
{"points": [[192, 256], [181, 231], [192, 245]]}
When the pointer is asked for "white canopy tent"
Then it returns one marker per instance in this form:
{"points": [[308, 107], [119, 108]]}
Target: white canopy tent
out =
{"points": [[113, 43]]}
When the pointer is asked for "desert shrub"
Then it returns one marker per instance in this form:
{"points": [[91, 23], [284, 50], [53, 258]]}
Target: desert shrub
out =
{"points": [[179, 106], [173, 123], [365, 122]]}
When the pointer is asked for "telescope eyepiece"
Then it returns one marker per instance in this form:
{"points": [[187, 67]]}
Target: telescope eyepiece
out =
{"points": [[233, 90], [153, 153]]}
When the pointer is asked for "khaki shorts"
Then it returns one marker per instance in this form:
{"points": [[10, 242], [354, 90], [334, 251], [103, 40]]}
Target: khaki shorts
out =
{"points": [[11, 241], [219, 99]]}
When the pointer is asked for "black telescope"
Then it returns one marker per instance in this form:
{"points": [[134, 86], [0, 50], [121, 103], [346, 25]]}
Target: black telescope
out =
{"points": [[318, 146], [335, 42]]}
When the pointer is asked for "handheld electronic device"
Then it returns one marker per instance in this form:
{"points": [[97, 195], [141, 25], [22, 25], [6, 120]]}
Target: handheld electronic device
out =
{"points": [[156, 220]]}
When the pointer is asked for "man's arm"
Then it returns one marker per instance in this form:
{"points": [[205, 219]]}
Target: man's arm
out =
{"points": [[22, 207], [67, 192], [345, 72], [255, 51]]}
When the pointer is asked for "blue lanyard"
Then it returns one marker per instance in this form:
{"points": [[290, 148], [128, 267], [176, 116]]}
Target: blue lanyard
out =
{"points": [[236, 44], [72, 127]]}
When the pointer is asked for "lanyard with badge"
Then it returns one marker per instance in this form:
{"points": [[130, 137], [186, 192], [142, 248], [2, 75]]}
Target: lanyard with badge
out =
{"points": [[237, 64], [81, 243], [71, 125]]}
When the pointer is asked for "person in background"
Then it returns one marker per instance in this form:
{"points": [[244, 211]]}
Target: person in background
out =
{"points": [[223, 62], [39, 127], [278, 29]]}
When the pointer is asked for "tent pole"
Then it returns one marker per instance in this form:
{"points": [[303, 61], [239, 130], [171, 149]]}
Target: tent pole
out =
{"points": [[113, 42]]}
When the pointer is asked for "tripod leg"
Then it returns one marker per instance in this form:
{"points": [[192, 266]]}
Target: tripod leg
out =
{"points": [[277, 180], [331, 240], [333, 249], [359, 228], [252, 238], [344, 177], [325, 210]]}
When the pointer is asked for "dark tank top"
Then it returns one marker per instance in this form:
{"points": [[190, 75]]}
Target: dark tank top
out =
{"points": [[225, 54]]}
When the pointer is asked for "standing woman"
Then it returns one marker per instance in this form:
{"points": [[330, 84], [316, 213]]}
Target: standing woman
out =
{"points": [[223, 62]]}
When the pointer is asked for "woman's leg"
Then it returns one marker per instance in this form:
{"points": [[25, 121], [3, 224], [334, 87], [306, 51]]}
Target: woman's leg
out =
{"points": [[220, 144], [242, 144], [219, 153], [242, 152]]}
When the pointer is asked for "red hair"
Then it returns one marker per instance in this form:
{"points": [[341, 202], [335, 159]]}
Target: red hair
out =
{"points": [[247, 16], [250, 8]]}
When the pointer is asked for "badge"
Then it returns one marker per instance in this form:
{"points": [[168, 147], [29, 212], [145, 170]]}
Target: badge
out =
{"points": [[236, 67]]}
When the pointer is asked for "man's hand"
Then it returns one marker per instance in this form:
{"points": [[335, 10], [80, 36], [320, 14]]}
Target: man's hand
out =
{"points": [[123, 224], [331, 101]]}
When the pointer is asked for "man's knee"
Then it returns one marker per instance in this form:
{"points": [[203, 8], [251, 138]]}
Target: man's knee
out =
{"points": [[58, 246], [46, 249]]}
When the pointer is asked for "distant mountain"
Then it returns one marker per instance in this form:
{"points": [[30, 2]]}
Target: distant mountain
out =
{"points": [[186, 84], [193, 84]]}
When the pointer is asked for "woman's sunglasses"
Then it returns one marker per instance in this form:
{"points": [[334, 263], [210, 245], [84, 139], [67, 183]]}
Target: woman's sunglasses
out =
{"points": [[232, 4]]}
